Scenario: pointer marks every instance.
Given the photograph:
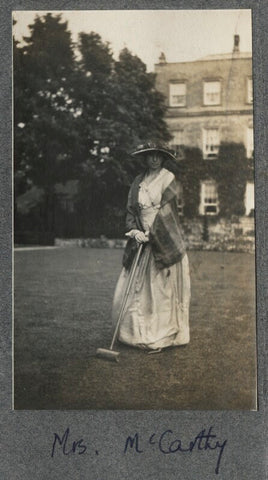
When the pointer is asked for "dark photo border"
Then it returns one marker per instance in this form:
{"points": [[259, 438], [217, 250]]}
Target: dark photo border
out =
{"points": [[27, 437]]}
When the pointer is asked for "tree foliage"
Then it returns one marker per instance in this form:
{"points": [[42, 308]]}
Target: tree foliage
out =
{"points": [[43, 117], [78, 113]]}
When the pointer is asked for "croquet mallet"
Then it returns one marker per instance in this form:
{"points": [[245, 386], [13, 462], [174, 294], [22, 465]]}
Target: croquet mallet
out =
{"points": [[109, 353]]}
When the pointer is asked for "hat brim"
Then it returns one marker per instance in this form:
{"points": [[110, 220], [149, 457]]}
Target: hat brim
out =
{"points": [[154, 149]]}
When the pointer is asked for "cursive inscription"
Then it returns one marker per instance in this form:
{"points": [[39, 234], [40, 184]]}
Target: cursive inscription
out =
{"points": [[67, 447], [165, 442], [168, 444]]}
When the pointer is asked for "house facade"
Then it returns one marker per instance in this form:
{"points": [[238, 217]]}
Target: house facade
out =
{"points": [[210, 102]]}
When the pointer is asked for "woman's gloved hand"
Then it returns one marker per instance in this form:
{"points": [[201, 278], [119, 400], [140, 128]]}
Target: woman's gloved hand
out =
{"points": [[141, 237]]}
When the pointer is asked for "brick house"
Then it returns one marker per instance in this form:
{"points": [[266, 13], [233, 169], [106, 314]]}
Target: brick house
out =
{"points": [[210, 101]]}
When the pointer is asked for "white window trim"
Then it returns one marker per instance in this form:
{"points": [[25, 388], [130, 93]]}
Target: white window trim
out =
{"points": [[249, 91], [249, 146], [174, 104], [205, 151], [249, 198], [212, 104], [203, 204], [175, 144]]}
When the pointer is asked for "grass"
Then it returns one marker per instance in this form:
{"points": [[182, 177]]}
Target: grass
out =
{"points": [[63, 301]]}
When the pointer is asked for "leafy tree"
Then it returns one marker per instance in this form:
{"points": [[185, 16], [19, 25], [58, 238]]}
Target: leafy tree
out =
{"points": [[46, 147], [79, 117], [121, 108]]}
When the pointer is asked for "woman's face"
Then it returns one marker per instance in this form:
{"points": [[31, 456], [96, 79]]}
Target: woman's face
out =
{"points": [[154, 160]]}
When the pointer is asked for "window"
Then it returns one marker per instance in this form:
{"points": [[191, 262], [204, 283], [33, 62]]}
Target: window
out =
{"points": [[212, 93], [249, 90], [209, 198], [177, 142], [249, 198], [177, 94], [180, 198], [67, 204], [210, 143], [250, 142]]}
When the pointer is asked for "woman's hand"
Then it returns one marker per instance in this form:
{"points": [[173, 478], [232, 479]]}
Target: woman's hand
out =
{"points": [[140, 237]]}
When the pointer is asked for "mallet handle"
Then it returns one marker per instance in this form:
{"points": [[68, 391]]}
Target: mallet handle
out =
{"points": [[131, 276]]}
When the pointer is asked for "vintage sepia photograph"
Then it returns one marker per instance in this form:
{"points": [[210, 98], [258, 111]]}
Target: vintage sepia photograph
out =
{"points": [[134, 214]]}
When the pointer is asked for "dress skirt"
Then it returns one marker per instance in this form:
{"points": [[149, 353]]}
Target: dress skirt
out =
{"points": [[156, 314]]}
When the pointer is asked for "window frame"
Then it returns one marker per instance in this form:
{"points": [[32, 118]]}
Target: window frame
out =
{"points": [[247, 194], [205, 153], [249, 151], [177, 147], [249, 99], [212, 80], [203, 204], [177, 82]]}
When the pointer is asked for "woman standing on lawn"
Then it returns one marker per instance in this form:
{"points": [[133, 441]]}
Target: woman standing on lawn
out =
{"points": [[157, 310]]}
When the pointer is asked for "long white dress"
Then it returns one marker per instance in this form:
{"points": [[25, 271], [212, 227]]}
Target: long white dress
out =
{"points": [[157, 311]]}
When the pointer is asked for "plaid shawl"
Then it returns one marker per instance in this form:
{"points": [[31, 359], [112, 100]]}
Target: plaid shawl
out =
{"points": [[165, 237]]}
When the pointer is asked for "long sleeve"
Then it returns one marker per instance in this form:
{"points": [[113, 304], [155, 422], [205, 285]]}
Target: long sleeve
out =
{"points": [[133, 218], [131, 222]]}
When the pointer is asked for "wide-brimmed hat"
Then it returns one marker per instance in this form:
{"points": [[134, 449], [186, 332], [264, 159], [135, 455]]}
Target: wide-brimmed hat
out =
{"points": [[153, 147]]}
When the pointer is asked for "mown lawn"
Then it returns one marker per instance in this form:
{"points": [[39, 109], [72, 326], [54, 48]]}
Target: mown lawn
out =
{"points": [[62, 314]]}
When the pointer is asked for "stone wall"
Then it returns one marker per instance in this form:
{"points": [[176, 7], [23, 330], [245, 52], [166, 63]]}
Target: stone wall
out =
{"points": [[232, 73], [233, 116], [232, 128], [224, 235]]}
